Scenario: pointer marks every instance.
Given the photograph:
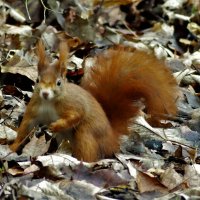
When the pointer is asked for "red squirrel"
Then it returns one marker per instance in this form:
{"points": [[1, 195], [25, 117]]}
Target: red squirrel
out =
{"points": [[98, 112]]}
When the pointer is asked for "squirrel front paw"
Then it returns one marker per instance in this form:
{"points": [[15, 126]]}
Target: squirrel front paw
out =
{"points": [[55, 127]]}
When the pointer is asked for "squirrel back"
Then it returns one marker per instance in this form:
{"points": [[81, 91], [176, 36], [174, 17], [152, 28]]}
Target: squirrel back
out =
{"points": [[124, 79]]}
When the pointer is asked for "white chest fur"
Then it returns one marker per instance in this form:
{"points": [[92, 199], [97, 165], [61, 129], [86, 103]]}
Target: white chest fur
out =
{"points": [[47, 113]]}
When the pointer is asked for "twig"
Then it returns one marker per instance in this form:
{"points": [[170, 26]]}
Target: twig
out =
{"points": [[26, 5]]}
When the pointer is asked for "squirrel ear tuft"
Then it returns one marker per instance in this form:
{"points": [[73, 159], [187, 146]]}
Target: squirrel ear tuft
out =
{"points": [[43, 62], [64, 55]]}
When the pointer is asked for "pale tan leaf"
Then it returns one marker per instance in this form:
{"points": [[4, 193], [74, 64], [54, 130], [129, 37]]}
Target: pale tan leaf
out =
{"points": [[192, 175], [170, 178], [37, 146], [147, 184], [31, 169], [15, 171]]}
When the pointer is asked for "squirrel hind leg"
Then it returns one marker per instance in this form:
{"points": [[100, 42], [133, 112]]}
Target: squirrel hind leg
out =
{"points": [[85, 146], [89, 146], [109, 144]]}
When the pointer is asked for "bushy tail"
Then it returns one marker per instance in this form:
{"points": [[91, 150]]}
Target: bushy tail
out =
{"points": [[124, 80]]}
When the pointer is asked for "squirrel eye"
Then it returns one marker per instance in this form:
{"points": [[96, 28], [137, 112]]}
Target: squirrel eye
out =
{"points": [[37, 80], [58, 83]]}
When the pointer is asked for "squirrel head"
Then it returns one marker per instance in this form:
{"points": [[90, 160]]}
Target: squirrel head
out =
{"points": [[51, 76]]}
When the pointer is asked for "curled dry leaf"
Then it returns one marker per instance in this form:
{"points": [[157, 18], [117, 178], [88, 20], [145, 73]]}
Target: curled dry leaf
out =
{"points": [[22, 30], [171, 4], [15, 171], [52, 190], [22, 67], [18, 16], [37, 146], [192, 175], [57, 159], [148, 184], [171, 179], [180, 75], [79, 189], [7, 133], [31, 169]]}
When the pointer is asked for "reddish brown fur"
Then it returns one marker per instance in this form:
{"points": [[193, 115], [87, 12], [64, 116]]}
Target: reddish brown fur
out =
{"points": [[72, 111], [118, 82], [123, 78]]}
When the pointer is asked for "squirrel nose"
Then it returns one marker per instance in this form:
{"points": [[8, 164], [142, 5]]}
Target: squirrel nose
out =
{"points": [[45, 95]]}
